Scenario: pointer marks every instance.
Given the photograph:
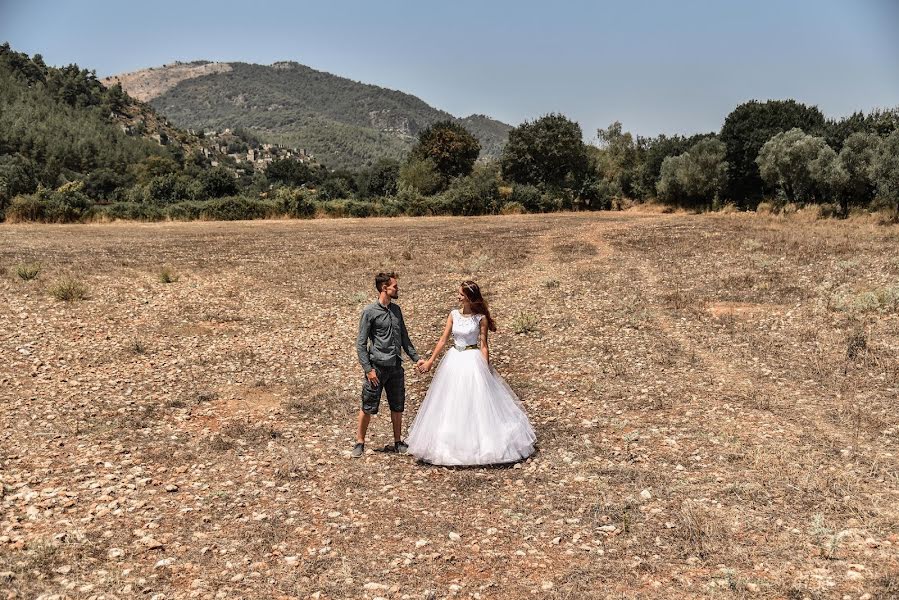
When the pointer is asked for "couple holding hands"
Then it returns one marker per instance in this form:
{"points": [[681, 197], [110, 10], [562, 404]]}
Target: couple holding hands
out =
{"points": [[470, 415]]}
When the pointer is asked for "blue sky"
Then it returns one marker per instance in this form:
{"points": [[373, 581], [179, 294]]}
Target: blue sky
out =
{"points": [[677, 66]]}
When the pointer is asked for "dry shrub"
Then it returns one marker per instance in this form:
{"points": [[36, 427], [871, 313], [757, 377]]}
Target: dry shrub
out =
{"points": [[699, 528], [729, 209], [138, 347], [29, 271], [513, 208], [167, 275], [524, 323], [764, 208], [69, 289], [291, 465]]}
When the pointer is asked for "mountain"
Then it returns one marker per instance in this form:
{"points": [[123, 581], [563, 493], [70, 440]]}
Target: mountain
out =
{"points": [[343, 123]]}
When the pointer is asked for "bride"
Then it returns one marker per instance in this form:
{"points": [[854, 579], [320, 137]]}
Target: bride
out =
{"points": [[470, 416]]}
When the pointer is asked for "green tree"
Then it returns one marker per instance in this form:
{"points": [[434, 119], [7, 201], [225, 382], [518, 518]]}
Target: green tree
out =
{"points": [[547, 152], [154, 166], [291, 173], [788, 162], [334, 188], [421, 176], [857, 159], [886, 170], [451, 147], [216, 183], [104, 183], [747, 128], [380, 179], [618, 158], [696, 177], [476, 194], [652, 151]]}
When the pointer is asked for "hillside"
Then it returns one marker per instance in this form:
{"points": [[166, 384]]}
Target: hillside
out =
{"points": [[343, 122], [62, 124]]}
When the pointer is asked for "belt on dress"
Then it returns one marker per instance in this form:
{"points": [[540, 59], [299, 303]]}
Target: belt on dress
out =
{"points": [[472, 347]]}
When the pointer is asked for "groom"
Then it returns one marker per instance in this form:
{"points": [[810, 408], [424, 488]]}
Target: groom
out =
{"points": [[382, 334]]}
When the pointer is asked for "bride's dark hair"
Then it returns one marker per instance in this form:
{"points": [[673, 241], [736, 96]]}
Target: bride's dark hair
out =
{"points": [[478, 304]]}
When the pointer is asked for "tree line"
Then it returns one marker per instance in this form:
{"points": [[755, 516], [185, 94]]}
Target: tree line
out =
{"points": [[63, 158]]}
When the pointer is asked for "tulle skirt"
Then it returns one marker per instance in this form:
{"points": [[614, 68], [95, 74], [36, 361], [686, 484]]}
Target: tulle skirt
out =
{"points": [[470, 416]]}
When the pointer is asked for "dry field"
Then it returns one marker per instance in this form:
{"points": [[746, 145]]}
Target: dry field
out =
{"points": [[715, 398]]}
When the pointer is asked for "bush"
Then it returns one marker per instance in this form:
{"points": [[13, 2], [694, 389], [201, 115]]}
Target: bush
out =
{"points": [[528, 196], [422, 176], [512, 208], [524, 323], [333, 188], [131, 211], [167, 189], [168, 275], [412, 203], [69, 289], [295, 202], [829, 210], [26, 208], [29, 271], [597, 194], [477, 194], [106, 184], [216, 183], [348, 208], [66, 204], [184, 211], [237, 208], [764, 208], [389, 208]]}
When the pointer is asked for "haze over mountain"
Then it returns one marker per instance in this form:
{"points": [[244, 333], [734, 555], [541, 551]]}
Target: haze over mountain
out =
{"points": [[344, 123]]}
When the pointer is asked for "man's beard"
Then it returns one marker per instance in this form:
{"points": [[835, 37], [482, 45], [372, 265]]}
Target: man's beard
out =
{"points": [[395, 296]]}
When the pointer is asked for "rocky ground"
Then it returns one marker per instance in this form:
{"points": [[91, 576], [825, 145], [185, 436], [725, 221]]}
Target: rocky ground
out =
{"points": [[715, 399]]}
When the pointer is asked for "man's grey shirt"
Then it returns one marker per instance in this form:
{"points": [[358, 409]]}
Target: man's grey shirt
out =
{"points": [[382, 335]]}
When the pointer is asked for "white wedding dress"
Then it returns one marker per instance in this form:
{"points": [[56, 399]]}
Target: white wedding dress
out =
{"points": [[470, 415]]}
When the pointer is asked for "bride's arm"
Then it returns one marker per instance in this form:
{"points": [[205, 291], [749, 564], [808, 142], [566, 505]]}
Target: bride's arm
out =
{"points": [[485, 349], [441, 342]]}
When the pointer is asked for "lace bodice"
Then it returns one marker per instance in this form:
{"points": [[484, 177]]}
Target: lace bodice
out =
{"points": [[466, 329]]}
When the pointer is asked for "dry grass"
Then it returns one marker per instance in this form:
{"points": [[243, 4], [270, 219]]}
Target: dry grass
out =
{"points": [[168, 275], [29, 271], [741, 370], [69, 289]]}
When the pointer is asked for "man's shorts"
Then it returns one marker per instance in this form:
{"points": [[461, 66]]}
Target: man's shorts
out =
{"points": [[391, 379]]}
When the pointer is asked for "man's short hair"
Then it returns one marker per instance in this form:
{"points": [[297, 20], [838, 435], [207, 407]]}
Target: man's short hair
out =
{"points": [[382, 279]]}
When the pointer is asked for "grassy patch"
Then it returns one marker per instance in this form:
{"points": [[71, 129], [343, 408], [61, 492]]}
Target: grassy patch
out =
{"points": [[524, 323], [69, 289], [29, 271], [168, 275]]}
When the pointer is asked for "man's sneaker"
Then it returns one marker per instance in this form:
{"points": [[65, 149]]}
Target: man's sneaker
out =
{"points": [[400, 447], [358, 450]]}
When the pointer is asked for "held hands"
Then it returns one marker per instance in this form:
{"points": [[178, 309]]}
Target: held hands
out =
{"points": [[423, 365]]}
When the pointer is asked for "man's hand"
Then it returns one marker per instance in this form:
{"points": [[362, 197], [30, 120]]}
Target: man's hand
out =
{"points": [[421, 365], [372, 377]]}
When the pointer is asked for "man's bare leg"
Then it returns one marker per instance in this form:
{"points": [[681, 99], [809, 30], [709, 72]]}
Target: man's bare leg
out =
{"points": [[364, 420], [397, 419]]}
